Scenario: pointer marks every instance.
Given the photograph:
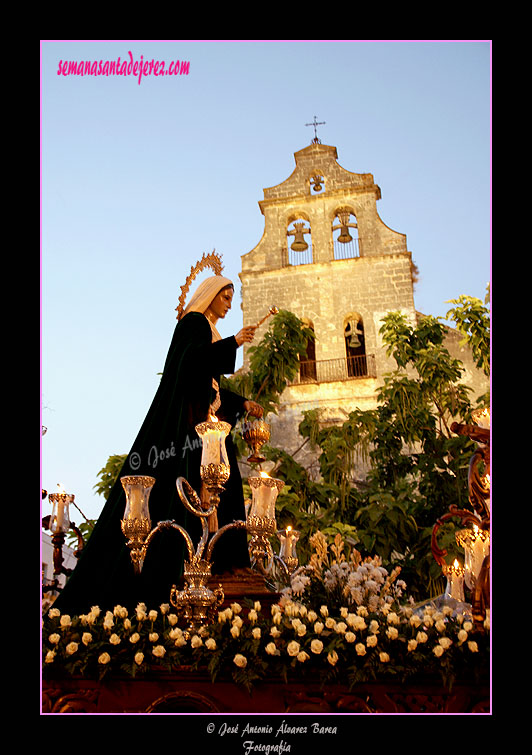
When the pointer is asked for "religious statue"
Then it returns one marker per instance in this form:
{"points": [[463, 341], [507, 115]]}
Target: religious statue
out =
{"points": [[167, 447]]}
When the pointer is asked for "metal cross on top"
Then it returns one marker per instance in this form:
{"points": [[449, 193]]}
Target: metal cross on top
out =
{"points": [[315, 123]]}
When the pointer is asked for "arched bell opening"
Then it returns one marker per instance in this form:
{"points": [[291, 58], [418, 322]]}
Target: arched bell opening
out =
{"points": [[299, 242], [355, 345], [345, 234]]}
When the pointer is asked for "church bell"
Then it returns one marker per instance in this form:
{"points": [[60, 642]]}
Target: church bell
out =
{"points": [[344, 237], [299, 244]]}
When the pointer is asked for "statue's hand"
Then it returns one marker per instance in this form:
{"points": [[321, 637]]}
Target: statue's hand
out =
{"points": [[253, 408]]}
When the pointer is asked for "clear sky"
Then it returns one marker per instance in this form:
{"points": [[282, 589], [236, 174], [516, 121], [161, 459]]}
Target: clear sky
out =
{"points": [[138, 180]]}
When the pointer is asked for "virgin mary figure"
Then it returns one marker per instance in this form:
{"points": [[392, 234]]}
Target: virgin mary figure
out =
{"points": [[167, 447]]}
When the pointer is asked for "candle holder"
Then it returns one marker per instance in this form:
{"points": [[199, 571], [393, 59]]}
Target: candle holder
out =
{"points": [[455, 581], [60, 519], [261, 522], [136, 524], [287, 553], [214, 468], [59, 524], [196, 602], [476, 545], [256, 433]]}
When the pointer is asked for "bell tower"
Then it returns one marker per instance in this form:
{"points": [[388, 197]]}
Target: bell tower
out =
{"points": [[326, 255]]}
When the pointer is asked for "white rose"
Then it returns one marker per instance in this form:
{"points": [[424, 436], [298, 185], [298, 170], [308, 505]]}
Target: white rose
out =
{"points": [[293, 648], [158, 651], [271, 648], [240, 660], [316, 646], [139, 657], [332, 657], [104, 658]]}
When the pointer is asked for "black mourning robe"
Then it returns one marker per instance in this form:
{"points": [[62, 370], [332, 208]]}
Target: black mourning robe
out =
{"points": [[167, 446]]}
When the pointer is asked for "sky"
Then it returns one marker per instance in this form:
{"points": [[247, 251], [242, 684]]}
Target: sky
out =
{"points": [[140, 178]]}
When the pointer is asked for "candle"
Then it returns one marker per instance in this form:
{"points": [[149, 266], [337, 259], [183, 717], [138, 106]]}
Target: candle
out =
{"points": [[265, 490], [480, 549], [135, 503], [213, 434], [288, 538], [475, 543], [60, 521], [137, 489], [455, 581]]}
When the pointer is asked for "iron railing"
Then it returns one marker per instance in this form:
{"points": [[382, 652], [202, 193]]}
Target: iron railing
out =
{"points": [[334, 370], [346, 251], [341, 252]]}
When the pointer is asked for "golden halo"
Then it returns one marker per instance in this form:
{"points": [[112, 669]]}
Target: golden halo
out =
{"points": [[212, 260]]}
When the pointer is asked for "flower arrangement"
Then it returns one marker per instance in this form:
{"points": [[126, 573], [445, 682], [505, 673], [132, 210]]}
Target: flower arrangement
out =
{"points": [[339, 620]]}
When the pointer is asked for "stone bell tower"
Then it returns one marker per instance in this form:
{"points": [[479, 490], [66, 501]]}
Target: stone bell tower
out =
{"points": [[327, 256]]}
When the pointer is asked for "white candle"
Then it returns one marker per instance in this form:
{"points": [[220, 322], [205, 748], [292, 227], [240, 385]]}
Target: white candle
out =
{"points": [[455, 581], [213, 435], [60, 521], [137, 489], [135, 503], [265, 490], [480, 550], [288, 540], [60, 516]]}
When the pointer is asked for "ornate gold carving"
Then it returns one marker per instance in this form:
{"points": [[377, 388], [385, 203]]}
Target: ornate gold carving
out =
{"points": [[212, 260]]}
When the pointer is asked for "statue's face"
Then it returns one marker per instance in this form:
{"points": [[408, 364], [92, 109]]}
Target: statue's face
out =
{"points": [[221, 304]]}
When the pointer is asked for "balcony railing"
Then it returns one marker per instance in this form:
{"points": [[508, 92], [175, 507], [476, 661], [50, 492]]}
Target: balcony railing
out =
{"points": [[346, 251], [333, 370], [341, 252]]}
